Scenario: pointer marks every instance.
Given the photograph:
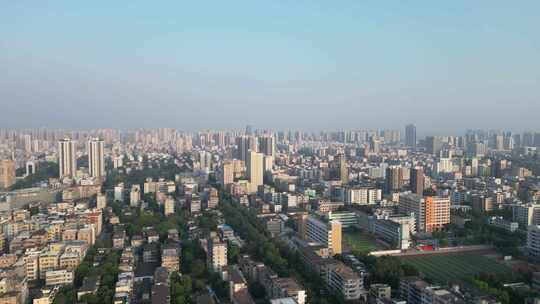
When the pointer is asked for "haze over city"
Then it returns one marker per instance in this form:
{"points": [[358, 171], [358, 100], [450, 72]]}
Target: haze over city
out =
{"points": [[307, 65], [269, 152]]}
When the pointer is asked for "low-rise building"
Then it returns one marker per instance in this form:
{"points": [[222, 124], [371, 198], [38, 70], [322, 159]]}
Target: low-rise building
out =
{"points": [[397, 233], [325, 233], [58, 277], [48, 261], [90, 286], [216, 254], [346, 218], [343, 280], [170, 257], [500, 222], [533, 241]]}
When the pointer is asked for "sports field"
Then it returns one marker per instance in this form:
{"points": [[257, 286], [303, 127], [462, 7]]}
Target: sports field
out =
{"points": [[445, 268], [360, 241]]}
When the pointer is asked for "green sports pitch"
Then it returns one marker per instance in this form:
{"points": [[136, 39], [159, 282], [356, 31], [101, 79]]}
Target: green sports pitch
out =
{"points": [[448, 268], [361, 241]]}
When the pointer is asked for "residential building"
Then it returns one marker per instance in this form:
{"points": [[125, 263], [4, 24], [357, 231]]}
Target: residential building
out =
{"points": [[168, 206], [394, 179], [343, 280], [410, 203], [135, 195], [227, 173], [101, 201], [526, 214], [216, 254], [67, 160], [48, 261], [410, 136], [7, 173], [437, 213], [96, 160], [170, 257], [500, 222], [255, 170], [58, 277], [362, 196], [533, 241], [417, 181], [343, 170]]}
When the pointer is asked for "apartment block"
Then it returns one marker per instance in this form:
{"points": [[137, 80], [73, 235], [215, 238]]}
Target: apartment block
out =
{"points": [[345, 281], [216, 254], [58, 277]]}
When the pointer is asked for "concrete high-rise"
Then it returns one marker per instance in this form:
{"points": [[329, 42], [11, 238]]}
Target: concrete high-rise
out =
{"points": [[242, 148], [67, 162], [437, 212], [220, 139], [431, 213], [433, 145], [374, 145], [410, 203], [227, 173], [343, 171], [410, 136], [255, 168], [96, 160], [244, 144], [533, 242], [267, 145], [217, 254], [417, 180], [394, 179], [7, 173]]}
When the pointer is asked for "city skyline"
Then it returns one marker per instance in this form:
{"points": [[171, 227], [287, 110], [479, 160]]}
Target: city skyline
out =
{"points": [[307, 66], [419, 134], [277, 152]]}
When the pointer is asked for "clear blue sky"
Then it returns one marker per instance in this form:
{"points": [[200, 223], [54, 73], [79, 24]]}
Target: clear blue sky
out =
{"points": [[444, 65]]}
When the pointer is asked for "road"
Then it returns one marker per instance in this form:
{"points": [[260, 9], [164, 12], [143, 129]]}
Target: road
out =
{"points": [[458, 249]]}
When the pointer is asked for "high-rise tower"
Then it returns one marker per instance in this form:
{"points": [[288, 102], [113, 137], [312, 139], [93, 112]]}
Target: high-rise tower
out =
{"points": [[96, 161], [67, 162], [410, 136], [255, 170]]}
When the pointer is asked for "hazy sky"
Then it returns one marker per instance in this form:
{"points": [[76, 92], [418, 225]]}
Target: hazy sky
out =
{"points": [[444, 65]]}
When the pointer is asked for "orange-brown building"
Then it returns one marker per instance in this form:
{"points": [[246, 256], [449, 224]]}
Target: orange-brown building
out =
{"points": [[437, 212], [7, 173]]}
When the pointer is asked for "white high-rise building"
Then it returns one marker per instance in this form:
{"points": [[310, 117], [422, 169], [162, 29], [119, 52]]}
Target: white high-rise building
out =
{"points": [[28, 143], [67, 161], [96, 161]]}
